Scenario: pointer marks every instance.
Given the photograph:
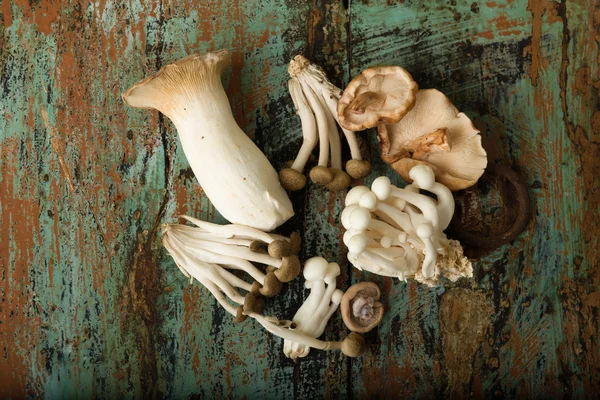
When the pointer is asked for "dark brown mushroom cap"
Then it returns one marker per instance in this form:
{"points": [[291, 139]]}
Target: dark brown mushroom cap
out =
{"points": [[240, 317], [341, 180], [253, 304], [358, 168], [255, 245], [354, 345], [379, 95], [289, 270], [358, 291], [291, 179], [321, 175], [295, 243], [279, 248], [255, 288], [272, 285]]}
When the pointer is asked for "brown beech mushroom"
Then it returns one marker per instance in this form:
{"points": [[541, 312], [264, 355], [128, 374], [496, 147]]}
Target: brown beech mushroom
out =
{"points": [[436, 134], [379, 95], [361, 310]]}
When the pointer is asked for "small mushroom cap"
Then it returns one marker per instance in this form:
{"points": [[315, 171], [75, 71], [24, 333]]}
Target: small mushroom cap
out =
{"points": [[333, 271], [382, 187], [358, 168], [295, 243], [341, 180], [253, 304], [358, 243], [278, 248], [360, 219], [368, 200], [346, 213], [423, 176], [359, 292], [321, 175], [289, 270], [315, 269], [436, 134], [255, 288], [379, 95], [272, 285], [353, 196], [354, 345], [240, 316], [255, 245], [291, 179]]}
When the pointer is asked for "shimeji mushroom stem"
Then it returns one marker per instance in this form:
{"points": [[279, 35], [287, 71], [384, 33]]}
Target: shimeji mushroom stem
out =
{"points": [[309, 126]]}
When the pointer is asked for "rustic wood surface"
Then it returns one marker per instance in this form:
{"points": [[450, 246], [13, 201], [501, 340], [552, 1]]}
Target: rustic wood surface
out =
{"points": [[92, 306]]}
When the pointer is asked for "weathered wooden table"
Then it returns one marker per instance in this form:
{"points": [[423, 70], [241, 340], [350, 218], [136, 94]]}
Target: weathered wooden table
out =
{"points": [[91, 305]]}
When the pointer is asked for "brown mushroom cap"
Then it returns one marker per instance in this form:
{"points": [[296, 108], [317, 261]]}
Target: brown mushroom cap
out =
{"points": [[240, 317], [279, 248], [436, 134], [341, 180], [255, 288], [295, 243], [291, 179], [253, 304], [379, 95], [272, 285], [354, 345], [289, 270], [358, 168], [358, 291], [321, 175]]}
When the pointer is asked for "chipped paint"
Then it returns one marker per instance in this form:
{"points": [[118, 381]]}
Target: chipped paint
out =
{"points": [[92, 306]]}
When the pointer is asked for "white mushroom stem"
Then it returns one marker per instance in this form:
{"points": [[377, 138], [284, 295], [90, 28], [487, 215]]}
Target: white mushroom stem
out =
{"points": [[309, 126], [426, 205], [424, 178], [331, 101], [312, 316], [322, 127], [367, 264], [291, 335], [335, 146], [425, 231], [233, 262], [195, 233], [231, 230]]}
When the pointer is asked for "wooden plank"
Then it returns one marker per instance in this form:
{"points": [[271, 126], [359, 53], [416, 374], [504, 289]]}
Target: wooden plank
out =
{"points": [[93, 306], [526, 73]]}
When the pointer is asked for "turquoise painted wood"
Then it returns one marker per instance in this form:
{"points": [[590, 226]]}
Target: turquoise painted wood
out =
{"points": [[91, 305]]}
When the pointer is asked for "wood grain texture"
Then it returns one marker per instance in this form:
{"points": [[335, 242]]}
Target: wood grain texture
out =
{"points": [[91, 305]]}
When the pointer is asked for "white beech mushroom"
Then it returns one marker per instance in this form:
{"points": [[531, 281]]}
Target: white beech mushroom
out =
{"points": [[235, 175], [210, 250], [315, 100], [324, 299], [399, 232], [434, 133]]}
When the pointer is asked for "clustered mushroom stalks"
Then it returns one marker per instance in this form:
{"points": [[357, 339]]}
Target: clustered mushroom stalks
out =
{"points": [[235, 175], [315, 100], [310, 320], [399, 232], [324, 299], [209, 252], [415, 127]]}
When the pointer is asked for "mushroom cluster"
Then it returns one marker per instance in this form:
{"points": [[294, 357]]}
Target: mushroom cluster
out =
{"points": [[316, 100], [323, 300], [399, 232], [209, 252], [415, 127]]}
